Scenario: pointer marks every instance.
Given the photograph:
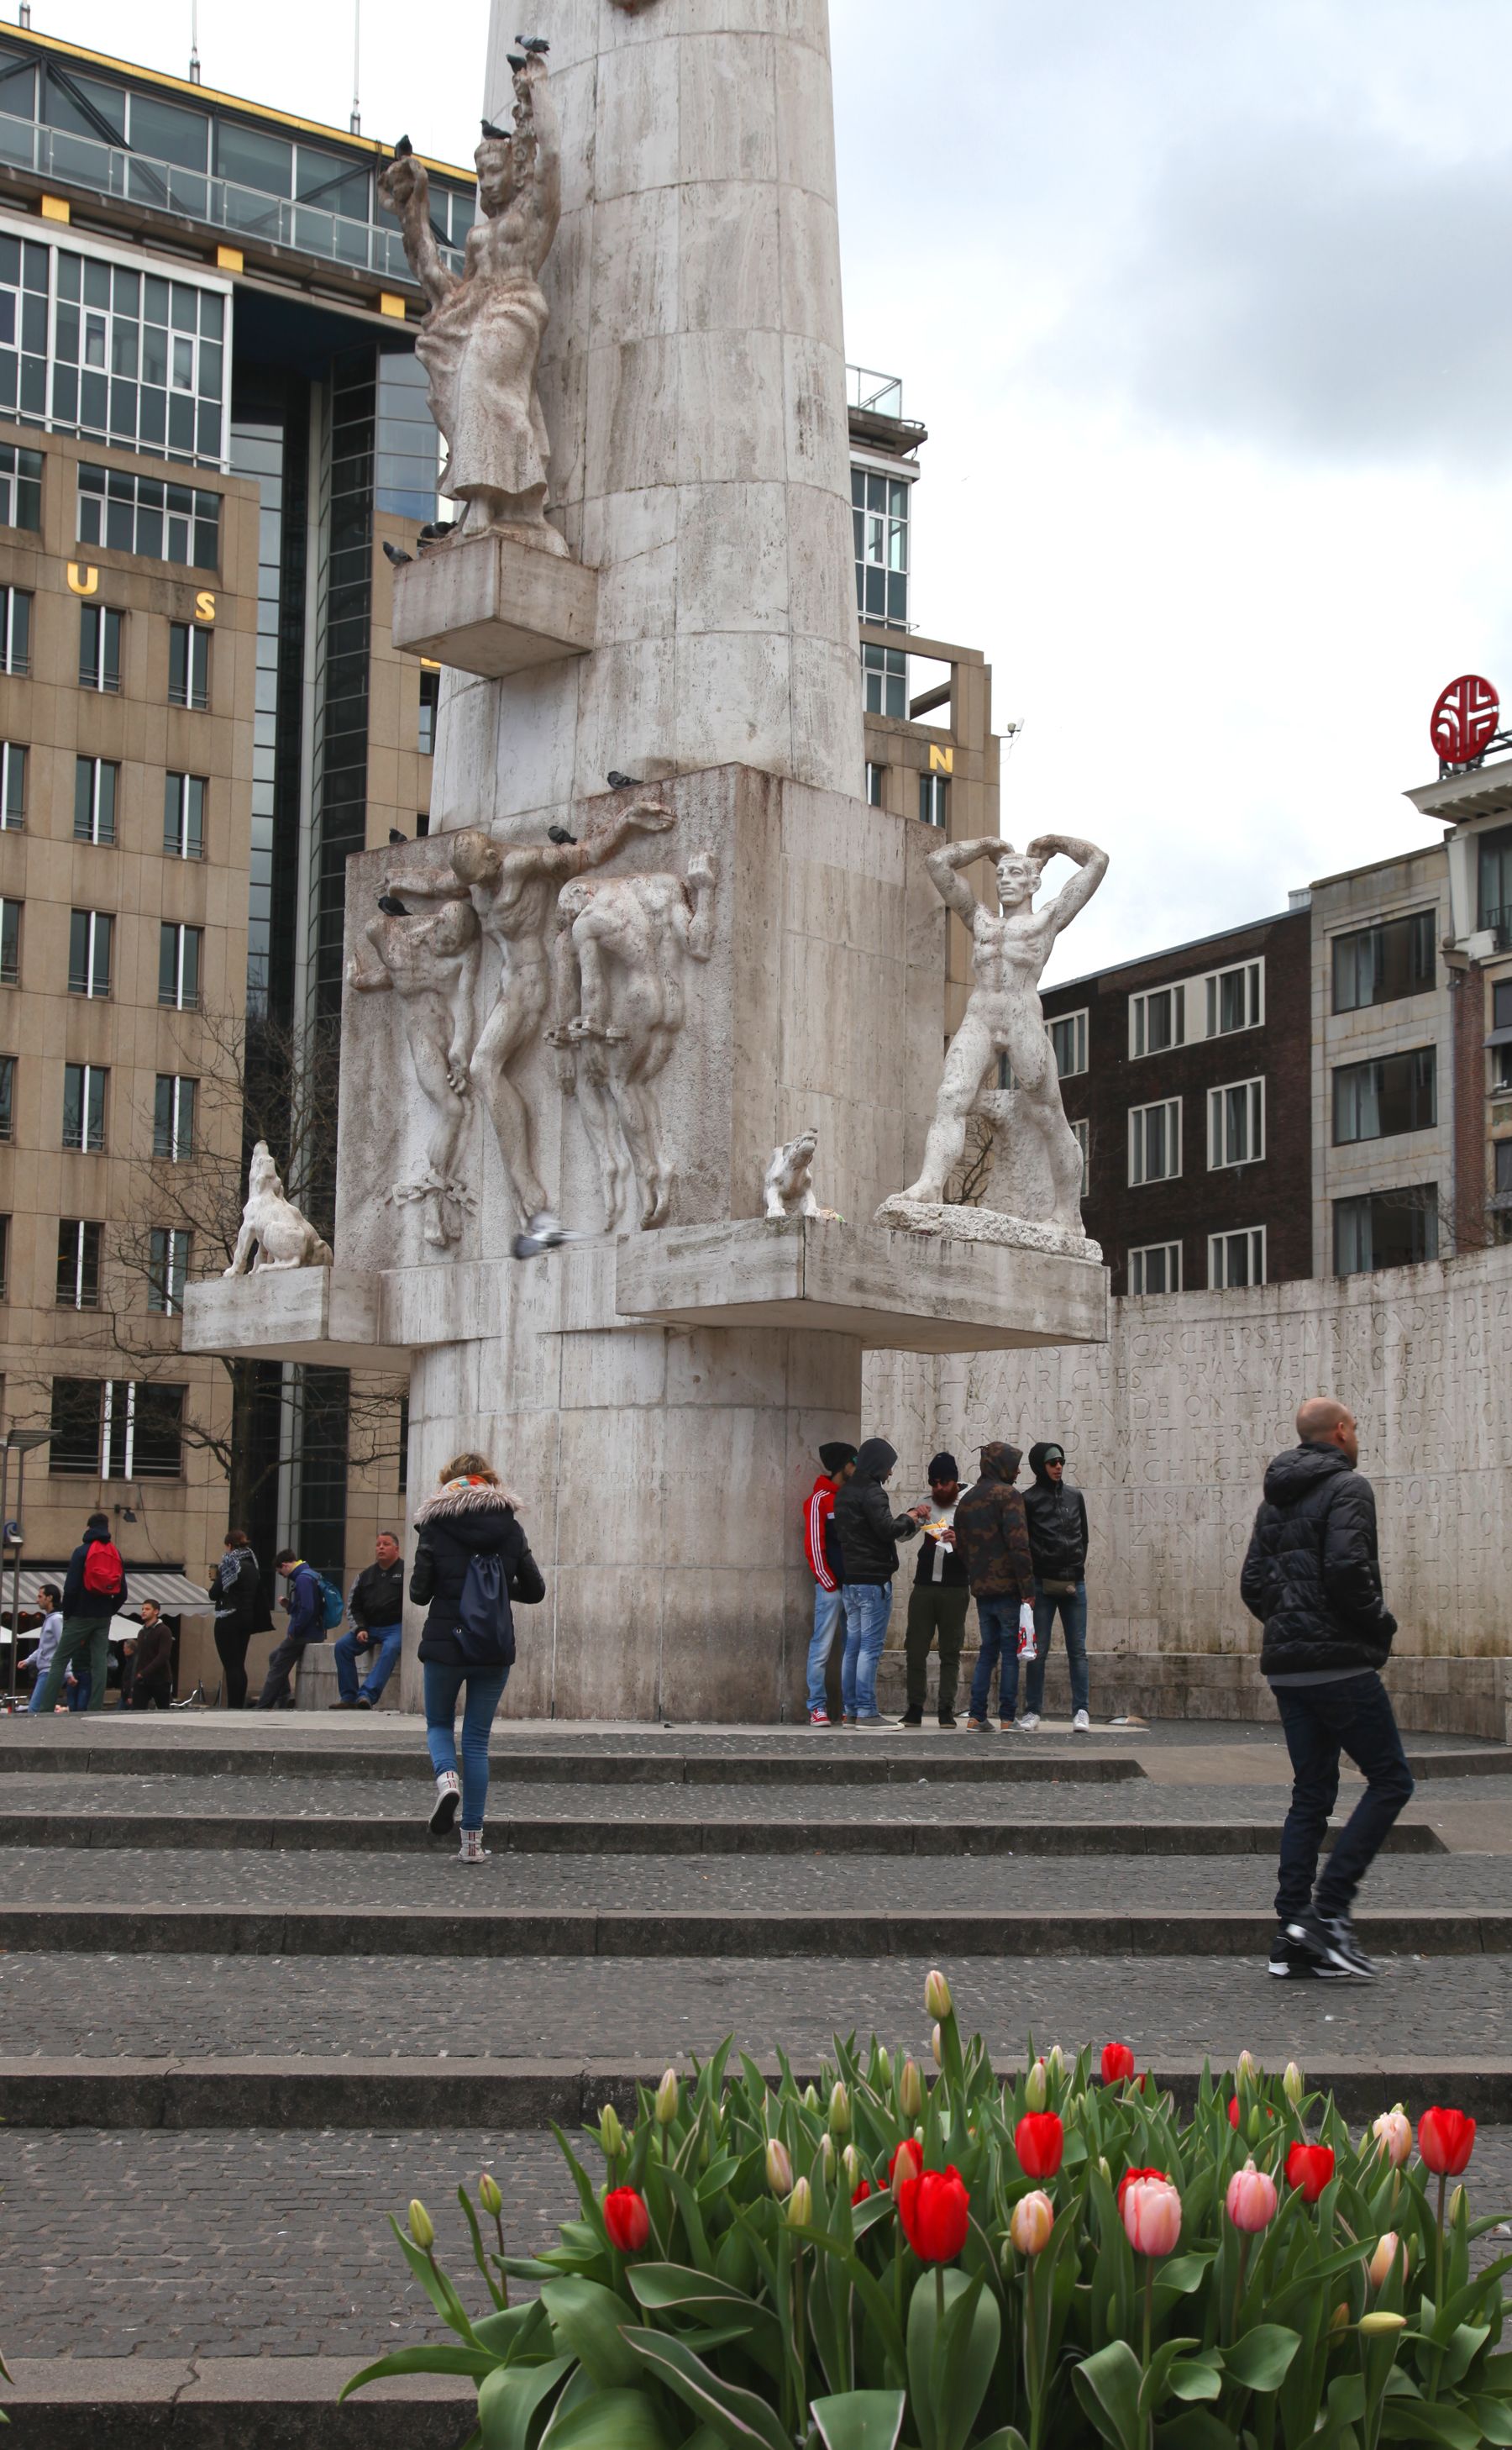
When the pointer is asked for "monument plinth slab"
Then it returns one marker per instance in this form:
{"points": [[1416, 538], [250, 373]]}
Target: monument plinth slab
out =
{"points": [[494, 606], [328, 1317], [891, 1291]]}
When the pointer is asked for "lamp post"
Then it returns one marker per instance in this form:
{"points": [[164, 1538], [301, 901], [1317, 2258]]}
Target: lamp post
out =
{"points": [[22, 1441]]}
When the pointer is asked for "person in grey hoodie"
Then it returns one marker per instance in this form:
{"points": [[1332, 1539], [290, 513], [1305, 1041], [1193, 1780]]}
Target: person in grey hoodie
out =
{"points": [[868, 1531]]}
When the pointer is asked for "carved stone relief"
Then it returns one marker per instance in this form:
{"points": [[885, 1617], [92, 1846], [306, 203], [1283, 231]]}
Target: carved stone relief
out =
{"points": [[617, 1011], [274, 1233], [787, 1186], [430, 960]]}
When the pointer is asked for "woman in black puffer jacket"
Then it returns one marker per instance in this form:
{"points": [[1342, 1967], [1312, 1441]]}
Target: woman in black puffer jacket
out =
{"points": [[470, 1515]]}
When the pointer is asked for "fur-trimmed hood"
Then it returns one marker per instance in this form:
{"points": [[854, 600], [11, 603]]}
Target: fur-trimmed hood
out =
{"points": [[457, 1499]]}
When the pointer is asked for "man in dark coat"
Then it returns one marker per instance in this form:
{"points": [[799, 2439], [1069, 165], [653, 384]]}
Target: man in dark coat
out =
{"points": [[1056, 1514], [938, 1602], [1312, 1576], [992, 1536], [376, 1609], [91, 1596], [868, 1531]]}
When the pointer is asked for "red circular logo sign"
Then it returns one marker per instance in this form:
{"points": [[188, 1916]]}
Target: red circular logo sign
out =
{"points": [[1464, 718]]}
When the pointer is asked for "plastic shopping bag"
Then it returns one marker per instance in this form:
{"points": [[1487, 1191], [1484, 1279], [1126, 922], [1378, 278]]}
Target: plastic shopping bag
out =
{"points": [[1028, 1648]]}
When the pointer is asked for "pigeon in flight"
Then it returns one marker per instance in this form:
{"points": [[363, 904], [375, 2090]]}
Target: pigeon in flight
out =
{"points": [[395, 835], [546, 1233], [559, 834], [392, 553], [621, 782], [392, 907]]}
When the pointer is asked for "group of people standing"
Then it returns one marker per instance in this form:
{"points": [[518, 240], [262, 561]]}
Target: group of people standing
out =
{"points": [[1004, 1547], [71, 1664]]}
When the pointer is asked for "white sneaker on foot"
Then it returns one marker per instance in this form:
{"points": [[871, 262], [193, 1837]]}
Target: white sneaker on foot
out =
{"points": [[1029, 1720], [1081, 1725], [447, 1797], [473, 1849]]}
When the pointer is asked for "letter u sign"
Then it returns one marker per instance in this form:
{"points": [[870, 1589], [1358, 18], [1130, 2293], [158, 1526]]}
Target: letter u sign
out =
{"points": [[83, 580]]}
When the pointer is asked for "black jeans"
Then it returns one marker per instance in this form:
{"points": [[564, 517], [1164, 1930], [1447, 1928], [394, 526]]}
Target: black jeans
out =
{"points": [[1321, 1721], [934, 1607], [231, 1644], [281, 1665]]}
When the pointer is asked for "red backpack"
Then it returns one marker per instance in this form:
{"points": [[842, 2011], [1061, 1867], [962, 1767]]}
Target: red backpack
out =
{"points": [[104, 1573]]}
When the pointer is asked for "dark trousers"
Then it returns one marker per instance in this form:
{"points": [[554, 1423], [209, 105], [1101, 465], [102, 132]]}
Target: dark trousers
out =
{"points": [[231, 1645], [933, 1608], [1320, 1722], [281, 1665], [153, 1692]]}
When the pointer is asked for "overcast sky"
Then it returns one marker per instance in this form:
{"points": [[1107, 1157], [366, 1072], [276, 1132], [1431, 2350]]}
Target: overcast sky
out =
{"points": [[1205, 309]]}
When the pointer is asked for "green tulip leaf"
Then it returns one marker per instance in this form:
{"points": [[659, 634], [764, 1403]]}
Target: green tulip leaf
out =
{"points": [[950, 2363], [612, 2420], [1194, 2377], [408, 2361], [588, 2321], [1197, 2429], [516, 2331], [1108, 2387], [1428, 2421], [512, 2398], [859, 2419], [1006, 2438], [1184, 2272], [737, 2416], [1494, 2417], [1468, 2339], [1260, 2360]]}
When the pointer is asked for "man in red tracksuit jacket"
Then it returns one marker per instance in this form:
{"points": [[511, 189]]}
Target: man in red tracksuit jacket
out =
{"points": [[821, 1546]]}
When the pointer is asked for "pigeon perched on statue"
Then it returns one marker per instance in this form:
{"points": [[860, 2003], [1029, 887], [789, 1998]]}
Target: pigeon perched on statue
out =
{"points": [[392, 553], [392, 907], [396, 836], [621, 782], [403, 149], [559, 834]]}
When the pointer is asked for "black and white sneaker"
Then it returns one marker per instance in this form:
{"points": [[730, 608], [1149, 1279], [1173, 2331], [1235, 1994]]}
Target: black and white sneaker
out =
{"points": [[1330, 1940], [448, 1800], [1291, 1962]]}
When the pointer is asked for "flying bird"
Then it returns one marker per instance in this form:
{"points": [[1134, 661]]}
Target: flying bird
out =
{"points": [[392, 553], [621, 782], [495, 135], [559, 834], [392, 907], [395, 835], [402, 148], [545, 1234]]}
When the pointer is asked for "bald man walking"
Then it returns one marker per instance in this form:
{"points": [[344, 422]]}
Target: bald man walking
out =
{"points": [[1312, 1576]]}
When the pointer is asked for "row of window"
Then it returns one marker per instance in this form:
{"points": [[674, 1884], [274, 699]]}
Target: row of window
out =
{"points": [[100, 644], [92, 939], [80, 1246], [117, 1428], [174, 1103], [1236, 1132], [934, 796], [96, 798], [151, 517], [1377, 1228], [1235, 1258]]}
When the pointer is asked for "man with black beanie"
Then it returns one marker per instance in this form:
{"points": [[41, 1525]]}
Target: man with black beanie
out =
{"points": [[938, 1602], [1056, 1514], [822, 1547]]}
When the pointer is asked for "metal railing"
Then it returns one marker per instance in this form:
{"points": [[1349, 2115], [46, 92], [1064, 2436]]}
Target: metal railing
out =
{"points": [[883, 395], [1500, 925]]}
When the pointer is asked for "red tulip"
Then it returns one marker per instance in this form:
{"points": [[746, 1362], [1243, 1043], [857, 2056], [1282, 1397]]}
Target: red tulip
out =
{"points": [[627, 2220], [1129, 2177], [1152, 2216], [1117, 2063], [1308, 2167], [935, 2212], [861, 2194], [1039, 2140], [1445, 2140], [907, 2162], [1234, 2112]]}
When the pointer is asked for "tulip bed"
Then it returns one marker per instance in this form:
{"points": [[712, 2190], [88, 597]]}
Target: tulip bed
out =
{"points": [[888, 2263]]}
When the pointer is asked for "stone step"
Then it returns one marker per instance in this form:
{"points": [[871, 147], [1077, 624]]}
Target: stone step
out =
{"points": [[374, 1832], [866, 1761], [776, 1930], [233, 2403]]}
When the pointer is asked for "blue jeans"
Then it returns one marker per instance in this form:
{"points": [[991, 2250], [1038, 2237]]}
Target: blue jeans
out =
{"points": [[869, 1605], [442, 1686], [1073, 1606], [1320, 1722], [998, 1629], [827, 1610], [388, 1640]]}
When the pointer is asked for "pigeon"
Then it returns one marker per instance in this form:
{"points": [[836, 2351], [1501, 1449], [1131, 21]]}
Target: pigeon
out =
{"points": [[392, 553], [495, 135], [392, 907], [546, 1233], [402, 148], [434, 529], [395, 835], [559, 834], [537, 43], [621, 782]]}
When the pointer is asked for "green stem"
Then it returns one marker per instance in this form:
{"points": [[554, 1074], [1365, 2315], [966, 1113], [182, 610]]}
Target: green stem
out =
{"points": [[1032, 2376], [1238, 2286], [1149, 2307]]}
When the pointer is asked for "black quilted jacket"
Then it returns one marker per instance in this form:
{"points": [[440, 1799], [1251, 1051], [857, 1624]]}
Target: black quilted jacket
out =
{"points": [[1312, 1575]]}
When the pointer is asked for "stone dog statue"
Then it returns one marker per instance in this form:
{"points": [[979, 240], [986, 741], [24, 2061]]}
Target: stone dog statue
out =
{"points": [[788, 1182], [272, 1227]]}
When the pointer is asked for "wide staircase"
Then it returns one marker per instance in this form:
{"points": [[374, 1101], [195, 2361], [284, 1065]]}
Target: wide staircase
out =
{"points": [[249, 2006]]}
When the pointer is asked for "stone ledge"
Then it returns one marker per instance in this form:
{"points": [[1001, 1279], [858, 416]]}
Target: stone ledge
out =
{"points": [[494, 606], [954, 1224], [230, 2403], [327, 1315]]}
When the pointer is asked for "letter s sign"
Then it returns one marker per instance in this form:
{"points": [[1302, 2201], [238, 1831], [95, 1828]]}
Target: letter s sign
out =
{"points": [[205, 605]]}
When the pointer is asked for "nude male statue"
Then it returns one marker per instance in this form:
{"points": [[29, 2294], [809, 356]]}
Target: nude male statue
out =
{"points": [[1010, 949], [513, 887], [430, 960]]}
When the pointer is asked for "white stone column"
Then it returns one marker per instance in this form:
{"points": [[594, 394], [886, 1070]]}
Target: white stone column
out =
{"points": [[693, 384]]}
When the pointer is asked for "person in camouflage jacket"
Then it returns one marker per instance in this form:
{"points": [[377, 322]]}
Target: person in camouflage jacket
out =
{"points": [[992, 1535]]}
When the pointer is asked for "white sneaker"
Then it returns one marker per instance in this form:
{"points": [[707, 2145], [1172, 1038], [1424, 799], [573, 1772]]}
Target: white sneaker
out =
{"points": [[1081, 1725], [1029, 1720], [473, 1849], [448, 1796]]}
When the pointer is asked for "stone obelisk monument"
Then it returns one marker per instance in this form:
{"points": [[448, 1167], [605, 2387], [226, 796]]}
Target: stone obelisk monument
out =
{"points": [[602, 1005]]}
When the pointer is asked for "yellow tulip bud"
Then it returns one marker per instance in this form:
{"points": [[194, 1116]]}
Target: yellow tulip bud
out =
{"points": [[884, 2066], [1293, 2084], [937, 1998], [934, 2045], [1036, 2087], [1245, 2068], [911, 2091], [827, 2157], [779, 2169], [839, 2111], [810, 2097], [489, 2196], [1379, 2321], [611, 2134], [1456, 2205], [850, 2163], [1106, 2172], [423, 2229], [666, 2095], [1056, 2063], [800, 2204], [1379, 2269]]}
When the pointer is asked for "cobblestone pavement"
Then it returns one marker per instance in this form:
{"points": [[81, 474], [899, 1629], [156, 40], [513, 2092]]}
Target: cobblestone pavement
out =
{"points": [[1177, 2008], [199, 2242]]}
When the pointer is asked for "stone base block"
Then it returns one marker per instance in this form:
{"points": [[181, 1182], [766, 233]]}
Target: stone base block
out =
{"points": [[494, 606], [326, 1315], [984, 1225]]}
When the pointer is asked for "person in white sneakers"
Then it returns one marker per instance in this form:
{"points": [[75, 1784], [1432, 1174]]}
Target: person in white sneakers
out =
{"points": [[468, 1640], [1058, 1543]]}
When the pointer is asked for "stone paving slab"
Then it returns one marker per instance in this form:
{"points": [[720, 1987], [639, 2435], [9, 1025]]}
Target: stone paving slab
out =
{"points": [[1171, 2009]]}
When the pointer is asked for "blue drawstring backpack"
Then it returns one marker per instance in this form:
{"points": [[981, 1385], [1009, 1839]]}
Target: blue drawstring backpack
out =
{"points": [[485, 1628]]}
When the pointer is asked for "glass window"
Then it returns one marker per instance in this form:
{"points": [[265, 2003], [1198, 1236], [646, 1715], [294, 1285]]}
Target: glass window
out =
{"points": [[83, 1106], [183, 816], [98, 648], [1155, 1141], [13, 786], [873, 784], [20, 485], [9, 942], [142, 514], [74, 1446], [934, 801], [1496, 885], [1236, 1123], [1386, 1228], [173, 1117], [1502, 1151], [339, 186], [78, 1285], [188, 664], [96, 788], [880, 522], [1235, 998], [1155, 1268], [179, 966], [1236, 1258], [168, 1269], [8, 1096], [884, 681], [1502, 1004], [1390, 1094], [170, 133], [15, 631], [156, 1450], [130, 364], [1068, 1039], [90, 933], [5, 1258], [1381, 964], [430, 705], [1157, 1021], [82, 106], [254, 158]]}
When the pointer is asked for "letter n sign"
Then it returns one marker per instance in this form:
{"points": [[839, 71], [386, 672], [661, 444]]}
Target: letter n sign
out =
{"points": [[941, 758]]}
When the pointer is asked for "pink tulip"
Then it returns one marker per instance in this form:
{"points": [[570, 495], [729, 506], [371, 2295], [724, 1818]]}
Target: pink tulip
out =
{"points": [[1152, 2216], [1251, 2199], [1393, 2132], [1379, 2269], [1034, 2217]]}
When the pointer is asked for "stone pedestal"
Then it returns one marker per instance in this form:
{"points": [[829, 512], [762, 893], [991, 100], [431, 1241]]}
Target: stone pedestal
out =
{"points": [[494, 606]]}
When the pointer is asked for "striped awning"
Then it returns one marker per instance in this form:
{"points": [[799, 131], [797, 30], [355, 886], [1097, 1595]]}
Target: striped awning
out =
{"points": [[175, 1594]]}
